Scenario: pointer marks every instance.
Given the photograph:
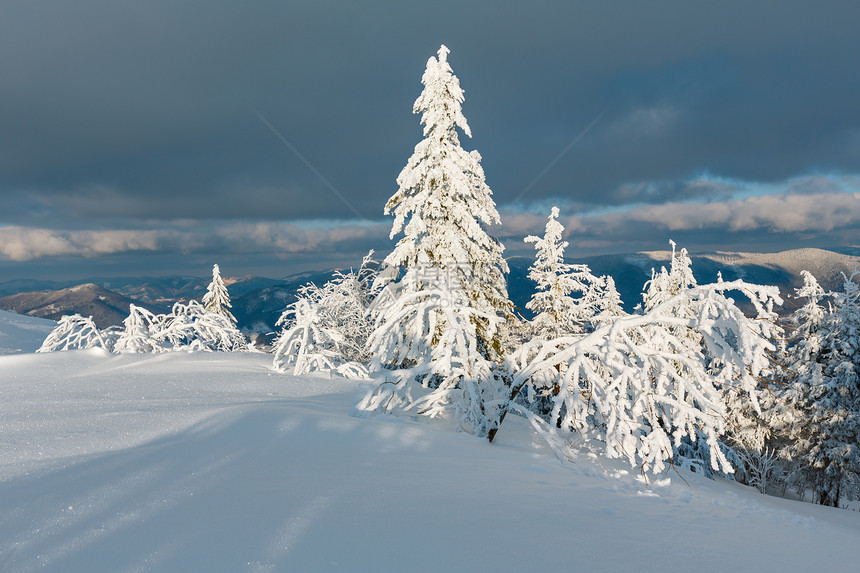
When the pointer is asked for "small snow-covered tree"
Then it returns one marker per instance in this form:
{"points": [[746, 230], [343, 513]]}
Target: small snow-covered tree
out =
{"points": [[217, 299], [610, 305], [141, 332], [443, 207], [187, 327], [556, 310], [667, 285], [824, 397], [808, 318], [74, 332]]}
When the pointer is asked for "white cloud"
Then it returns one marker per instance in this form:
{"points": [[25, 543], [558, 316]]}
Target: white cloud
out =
{"points": [[27, 243], [796, 215], [780, 213]]}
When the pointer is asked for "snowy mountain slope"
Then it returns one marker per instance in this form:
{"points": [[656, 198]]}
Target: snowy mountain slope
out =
{"points": [[211, 462], [21, 333], [827, 266], [106, 307]]}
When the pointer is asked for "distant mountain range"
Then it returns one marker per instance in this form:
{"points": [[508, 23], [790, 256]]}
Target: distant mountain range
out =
{"points": [[259, 301], [632, 271], [106, 307]]}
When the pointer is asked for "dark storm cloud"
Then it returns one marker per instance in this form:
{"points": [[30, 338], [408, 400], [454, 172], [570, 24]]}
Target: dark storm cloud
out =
{"points": [[113, 114]]}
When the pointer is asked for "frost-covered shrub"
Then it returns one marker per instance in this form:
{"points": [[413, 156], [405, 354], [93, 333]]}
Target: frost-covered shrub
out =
{"points": [[74, 332], [640, 386], [328, 327], [306, 343], [191, 327], [761, 469], [141, 332]]}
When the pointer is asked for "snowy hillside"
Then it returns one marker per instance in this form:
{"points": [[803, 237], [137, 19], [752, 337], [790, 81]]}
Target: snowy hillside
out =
{"points": [[212, 462], [21, 333], [104, 306], [827, 266]]}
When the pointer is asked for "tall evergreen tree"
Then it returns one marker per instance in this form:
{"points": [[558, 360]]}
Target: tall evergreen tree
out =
{"points": [[443, 207], [436, 329], [217, 299]]}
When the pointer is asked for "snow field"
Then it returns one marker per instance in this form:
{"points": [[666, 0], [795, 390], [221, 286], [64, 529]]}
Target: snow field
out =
{"points": [[21, 333], [212, 462]]}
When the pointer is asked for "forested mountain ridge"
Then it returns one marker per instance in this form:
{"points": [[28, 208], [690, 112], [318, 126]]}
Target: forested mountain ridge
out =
{"points": [[259, 301]]}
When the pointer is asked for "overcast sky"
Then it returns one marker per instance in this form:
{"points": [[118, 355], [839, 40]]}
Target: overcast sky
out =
{"points": [[160, 137]]}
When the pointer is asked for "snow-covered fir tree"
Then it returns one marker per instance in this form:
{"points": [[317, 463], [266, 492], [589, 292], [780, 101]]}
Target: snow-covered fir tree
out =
{"points": [[807, 319], [750, 414], [217, 299], [825, 394], [443, 206], [611, 307], [556, 311], [437, 342], [796, 364]]}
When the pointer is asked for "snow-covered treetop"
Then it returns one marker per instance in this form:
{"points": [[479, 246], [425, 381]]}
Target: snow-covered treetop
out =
{"points": [[440, 104], [443, 204], [550, 248], [664, 285]]}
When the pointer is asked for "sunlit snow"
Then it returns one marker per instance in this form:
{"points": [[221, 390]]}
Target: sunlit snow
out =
{"points": [[212, 462]]}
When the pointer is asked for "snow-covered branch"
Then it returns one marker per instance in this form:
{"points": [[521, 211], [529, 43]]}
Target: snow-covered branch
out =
{"points": [[639, 384]]}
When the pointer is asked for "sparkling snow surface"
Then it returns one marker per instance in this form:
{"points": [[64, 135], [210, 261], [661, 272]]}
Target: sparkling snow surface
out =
{"points": [[212, 462]]}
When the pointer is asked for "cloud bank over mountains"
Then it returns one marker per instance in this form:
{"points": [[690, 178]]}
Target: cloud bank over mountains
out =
{"points": [[834, 215], [134, 128]]}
